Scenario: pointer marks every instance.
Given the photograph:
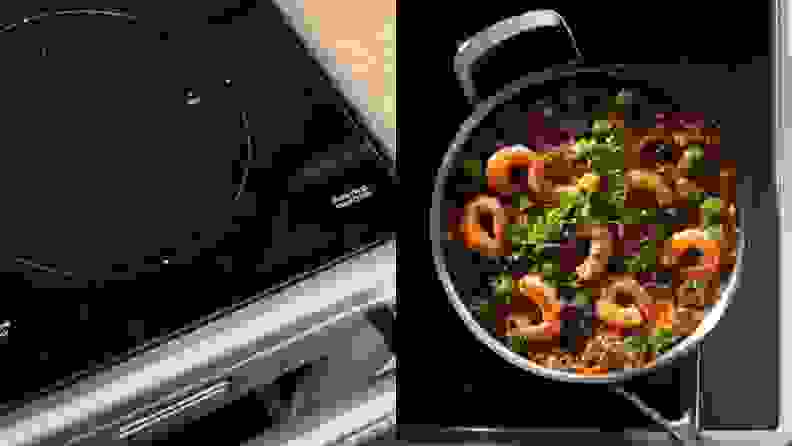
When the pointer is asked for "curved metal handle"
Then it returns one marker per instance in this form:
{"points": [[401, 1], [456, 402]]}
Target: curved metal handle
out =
{"points": [[382, 428], [383, 318], [479, 45], [684, 431]]}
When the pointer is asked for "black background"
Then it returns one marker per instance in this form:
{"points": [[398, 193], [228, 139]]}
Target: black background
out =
{"points": [[714, 55]]}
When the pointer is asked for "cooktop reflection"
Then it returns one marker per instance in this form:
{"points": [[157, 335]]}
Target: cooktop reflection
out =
{"points": [[156, 178]]}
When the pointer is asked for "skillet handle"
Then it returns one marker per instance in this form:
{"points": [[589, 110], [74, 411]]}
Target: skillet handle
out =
{"points": [[683, 432], [548, 27]]}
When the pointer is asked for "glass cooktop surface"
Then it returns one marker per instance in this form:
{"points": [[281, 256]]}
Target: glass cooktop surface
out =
{"points": [[155, 176]]}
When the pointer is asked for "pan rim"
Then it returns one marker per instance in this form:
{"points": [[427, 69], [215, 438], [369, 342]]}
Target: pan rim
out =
{"points": [[482, 335]]}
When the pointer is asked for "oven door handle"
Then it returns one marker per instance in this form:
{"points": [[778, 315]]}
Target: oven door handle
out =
{"points": [[383, 317], [384, 426]]}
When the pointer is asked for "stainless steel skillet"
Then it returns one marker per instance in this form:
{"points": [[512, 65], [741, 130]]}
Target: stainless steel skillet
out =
{"points": [[565, 93]]}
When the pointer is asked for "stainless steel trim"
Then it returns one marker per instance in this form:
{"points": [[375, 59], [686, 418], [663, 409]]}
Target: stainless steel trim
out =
{"points": [[205, 354], [172, 410], [781, 55], [369, 433], [356, 418], [388, 369]]}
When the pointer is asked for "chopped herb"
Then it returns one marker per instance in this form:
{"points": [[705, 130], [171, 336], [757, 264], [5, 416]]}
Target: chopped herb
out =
{"points": [[714, 232], [694, 156], [522, 201], [550, 268], [664, 332], [561, 279], [616, 137], [696, 198], [711, 209], [646, 260], [695, 284], [637, 344], [605, 158], [504, 286], [662, 340], [663, 231], [518, 344], [520, 234], [474, 168], [600, 126], [486, 311], [583, 296], [569, 199], [659, 342], [630, 215], [713, 205], [598, 205], [622, 98]]}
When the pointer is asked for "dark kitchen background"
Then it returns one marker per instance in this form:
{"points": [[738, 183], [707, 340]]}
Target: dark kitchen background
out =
{"points": [[716, 55]]}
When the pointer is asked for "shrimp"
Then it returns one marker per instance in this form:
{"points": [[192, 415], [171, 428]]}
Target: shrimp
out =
{"points": [[694, 238], [695, 136], [638, 144], [520, 323], [475, 235], [628, 286], [646, 180], [698, 294], [615, 120], [687, 321], [686, 187], [619, 316], [502, 162], [730, 236], [601, 250]]}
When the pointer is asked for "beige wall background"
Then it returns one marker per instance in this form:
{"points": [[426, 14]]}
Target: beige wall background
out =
{"points": [[356, 41]]}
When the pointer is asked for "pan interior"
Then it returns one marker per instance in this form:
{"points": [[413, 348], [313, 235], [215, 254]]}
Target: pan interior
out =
{"points": [[517, 118]]}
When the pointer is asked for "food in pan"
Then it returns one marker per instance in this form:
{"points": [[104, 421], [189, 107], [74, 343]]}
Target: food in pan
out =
{"points": [[613, 245]]}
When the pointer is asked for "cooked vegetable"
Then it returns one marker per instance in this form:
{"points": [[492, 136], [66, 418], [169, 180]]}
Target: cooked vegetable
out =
{"points": [[589, 183], [583, 296], [637, 344], [693, 160], [504, 286], [474, 168], [519, 344], [695, 284], [659, 342], [522, 201], [714, 232], [662, 340], [486, 311], [618, 316], [711, 210]]}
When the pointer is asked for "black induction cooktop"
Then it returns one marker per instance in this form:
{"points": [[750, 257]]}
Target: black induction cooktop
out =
{"points": [[160, 172]]}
